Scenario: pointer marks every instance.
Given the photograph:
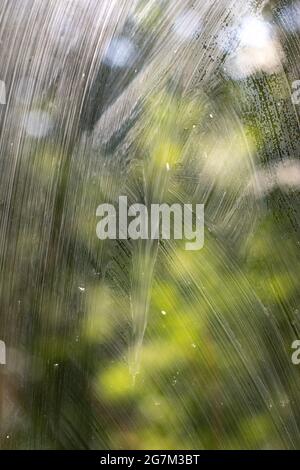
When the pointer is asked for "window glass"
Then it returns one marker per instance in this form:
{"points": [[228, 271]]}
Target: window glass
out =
{"points": [[149, 224]]}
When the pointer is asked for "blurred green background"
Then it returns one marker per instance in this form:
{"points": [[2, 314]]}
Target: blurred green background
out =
{"points": [[129, 345]]}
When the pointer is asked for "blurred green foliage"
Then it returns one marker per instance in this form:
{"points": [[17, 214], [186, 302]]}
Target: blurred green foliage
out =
{"points": [[215, 368]]}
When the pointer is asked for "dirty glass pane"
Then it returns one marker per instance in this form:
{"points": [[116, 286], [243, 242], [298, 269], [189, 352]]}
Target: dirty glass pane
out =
{"points": [[125, 324]]}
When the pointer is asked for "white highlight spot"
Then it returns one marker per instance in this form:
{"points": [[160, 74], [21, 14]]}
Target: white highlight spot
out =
{"points": [[187, 24], [258, 49], [120, 53], [38, 124], [255, 32]]}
